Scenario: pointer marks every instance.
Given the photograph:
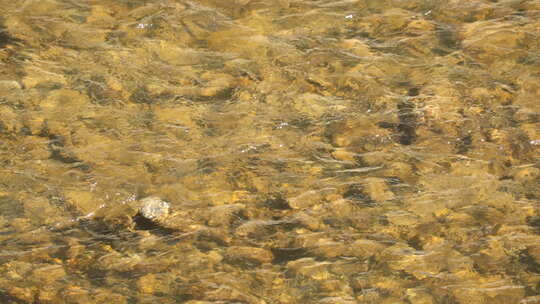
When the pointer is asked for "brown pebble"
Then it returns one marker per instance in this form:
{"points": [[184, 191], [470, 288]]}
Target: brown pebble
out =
{"points": [[250, 254]]}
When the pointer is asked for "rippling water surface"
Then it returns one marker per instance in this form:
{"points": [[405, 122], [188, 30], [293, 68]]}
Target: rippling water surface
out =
{"points": [[279, 151]]}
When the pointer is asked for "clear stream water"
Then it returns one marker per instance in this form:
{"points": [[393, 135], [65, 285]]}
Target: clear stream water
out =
{"points": [[281, 151]]}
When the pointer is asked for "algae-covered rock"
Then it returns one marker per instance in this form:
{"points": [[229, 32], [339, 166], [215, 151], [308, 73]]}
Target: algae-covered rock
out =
{"points": [[249, 254], [9, 122], [153, 283], [311, 269], [86, 202], [365, 249], [47, 274], [499, 291]]}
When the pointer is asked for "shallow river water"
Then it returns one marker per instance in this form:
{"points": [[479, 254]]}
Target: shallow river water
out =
{"points": [[270, 151]]}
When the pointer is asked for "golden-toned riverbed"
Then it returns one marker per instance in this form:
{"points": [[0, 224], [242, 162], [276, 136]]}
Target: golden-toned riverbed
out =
{"points": [[282, 151]]}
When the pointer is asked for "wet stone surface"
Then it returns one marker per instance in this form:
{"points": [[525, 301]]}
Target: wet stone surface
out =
{"points": [[283, 151]]}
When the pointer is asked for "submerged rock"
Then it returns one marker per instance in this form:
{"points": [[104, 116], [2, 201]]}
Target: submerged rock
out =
{"points": [[128, 213], [249, 254], [153, 208]]}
